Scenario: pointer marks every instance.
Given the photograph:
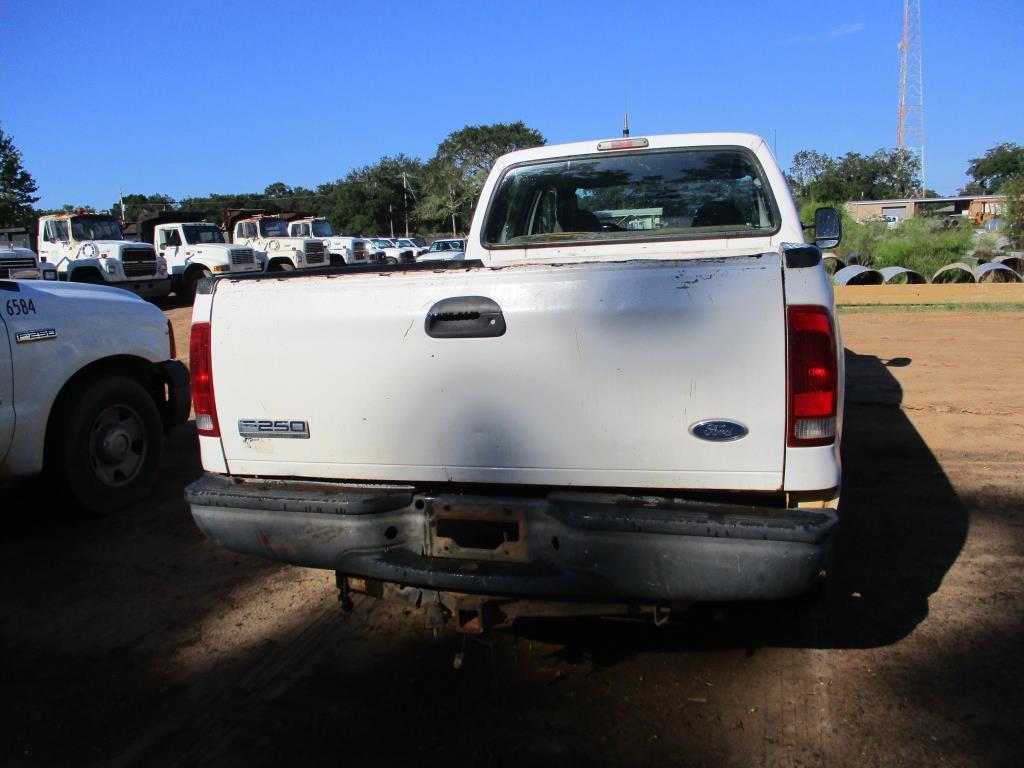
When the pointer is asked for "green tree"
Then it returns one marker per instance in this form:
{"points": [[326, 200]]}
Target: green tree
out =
{"points": [[884, 174], [996, 167], [808, 166], [139, 206], [1013, 213], [278, 189], [17, 187], [457, 172], [374, 199]]}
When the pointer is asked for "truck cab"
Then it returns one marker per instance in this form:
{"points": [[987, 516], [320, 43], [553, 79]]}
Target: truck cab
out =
{"points": [[268, 236], [392, 253], [412, 243], [90, 248], [340, 249], [194, 249]]}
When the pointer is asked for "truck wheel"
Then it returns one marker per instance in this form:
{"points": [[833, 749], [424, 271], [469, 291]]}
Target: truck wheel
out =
{"points": [[282, 266], [105, 449], [192, 278], [390, 260]]}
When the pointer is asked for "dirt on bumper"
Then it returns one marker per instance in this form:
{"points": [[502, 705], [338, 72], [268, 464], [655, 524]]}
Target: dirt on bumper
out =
{"points": [[582, 546]]}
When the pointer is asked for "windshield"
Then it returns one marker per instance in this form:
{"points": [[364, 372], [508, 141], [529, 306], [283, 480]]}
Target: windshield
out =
{"points": [[95, 228], [637, 196], [418, 242], [322, 228], [381, 243], [273, 228], [198, 234]]}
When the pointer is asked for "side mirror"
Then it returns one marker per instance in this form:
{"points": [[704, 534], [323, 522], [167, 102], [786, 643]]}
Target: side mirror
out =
{"points": [[162, 246], [828, 227]]}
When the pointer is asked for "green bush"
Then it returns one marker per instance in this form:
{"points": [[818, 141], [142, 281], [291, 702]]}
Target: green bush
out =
{"points": [[923, 245]]}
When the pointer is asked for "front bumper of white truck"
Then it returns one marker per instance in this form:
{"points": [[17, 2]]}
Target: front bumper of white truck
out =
{"points": [[147, 288], [564, 546]]}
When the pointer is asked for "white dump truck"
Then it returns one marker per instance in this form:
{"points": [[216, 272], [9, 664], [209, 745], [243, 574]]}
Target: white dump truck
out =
{"points": [[340, 249], [23, 263], [89, 384], [91, 248], [18, 260], [267, 234], [585, 415], [194, 249]]}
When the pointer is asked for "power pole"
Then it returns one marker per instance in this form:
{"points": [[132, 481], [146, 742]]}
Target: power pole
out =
{"points": [[120, 199], [910, 126], [405, 200]]}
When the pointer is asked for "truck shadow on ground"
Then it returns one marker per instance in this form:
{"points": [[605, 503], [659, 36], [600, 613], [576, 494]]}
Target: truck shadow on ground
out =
{"points": [[373, 687], [902, 526]]}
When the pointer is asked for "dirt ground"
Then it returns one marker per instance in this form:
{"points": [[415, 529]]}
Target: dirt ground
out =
{"points": [[131, 640]]}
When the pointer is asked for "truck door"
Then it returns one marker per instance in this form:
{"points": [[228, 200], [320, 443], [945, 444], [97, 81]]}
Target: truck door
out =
{"points": [[170, 246], [245, 233], [6, 393], [54, 243]]}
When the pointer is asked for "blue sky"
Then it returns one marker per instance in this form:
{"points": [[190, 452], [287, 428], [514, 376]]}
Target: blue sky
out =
{"points": [[189, 98]]}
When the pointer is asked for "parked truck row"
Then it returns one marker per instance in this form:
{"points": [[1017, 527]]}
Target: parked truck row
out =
{"points": [[174, 250]]}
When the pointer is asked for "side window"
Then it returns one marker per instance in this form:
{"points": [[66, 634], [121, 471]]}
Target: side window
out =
{"points": [[302, 230], [247, 229], [57, 230], [170, 237]]}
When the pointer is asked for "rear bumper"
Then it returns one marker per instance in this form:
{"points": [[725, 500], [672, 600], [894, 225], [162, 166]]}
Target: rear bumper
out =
{"points": [[567, 545]]}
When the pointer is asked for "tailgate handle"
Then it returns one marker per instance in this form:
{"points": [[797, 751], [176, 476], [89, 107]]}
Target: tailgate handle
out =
{"points": [[465, 317]]}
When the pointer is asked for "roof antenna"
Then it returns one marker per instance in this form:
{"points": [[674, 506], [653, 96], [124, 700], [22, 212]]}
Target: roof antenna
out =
{"points": [[625, 124]]}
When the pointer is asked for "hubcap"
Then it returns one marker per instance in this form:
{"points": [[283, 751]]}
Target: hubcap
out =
{"points": [[117, 445]]}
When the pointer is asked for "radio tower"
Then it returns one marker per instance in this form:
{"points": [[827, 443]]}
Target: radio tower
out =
{"points": [[910, 131]]}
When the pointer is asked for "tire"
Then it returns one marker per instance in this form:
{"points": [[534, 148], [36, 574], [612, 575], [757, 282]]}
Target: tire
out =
{"points": [[282, 266], [192, 278], [390, 260], [104, 450]]}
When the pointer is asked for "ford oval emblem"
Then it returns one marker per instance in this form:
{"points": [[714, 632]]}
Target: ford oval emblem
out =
{"points": [[719, 430]]}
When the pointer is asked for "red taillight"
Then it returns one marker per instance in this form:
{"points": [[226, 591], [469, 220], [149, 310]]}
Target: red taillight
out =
{"points": [[202, 380], [813, 377]]}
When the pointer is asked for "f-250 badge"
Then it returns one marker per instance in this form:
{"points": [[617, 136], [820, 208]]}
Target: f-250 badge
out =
{"points": [[266, 428], [719, 430]]}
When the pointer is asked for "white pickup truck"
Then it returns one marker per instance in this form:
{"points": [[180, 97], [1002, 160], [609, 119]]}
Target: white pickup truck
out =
{"points": [[90, 248], [89, 383], [624, 418]]}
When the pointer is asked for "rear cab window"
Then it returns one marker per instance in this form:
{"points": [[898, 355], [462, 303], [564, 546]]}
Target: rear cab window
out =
{"points": [[693, 193]]}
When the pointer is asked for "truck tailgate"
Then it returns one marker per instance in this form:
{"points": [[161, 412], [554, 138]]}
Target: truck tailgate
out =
{"points": [[597, 380]]}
